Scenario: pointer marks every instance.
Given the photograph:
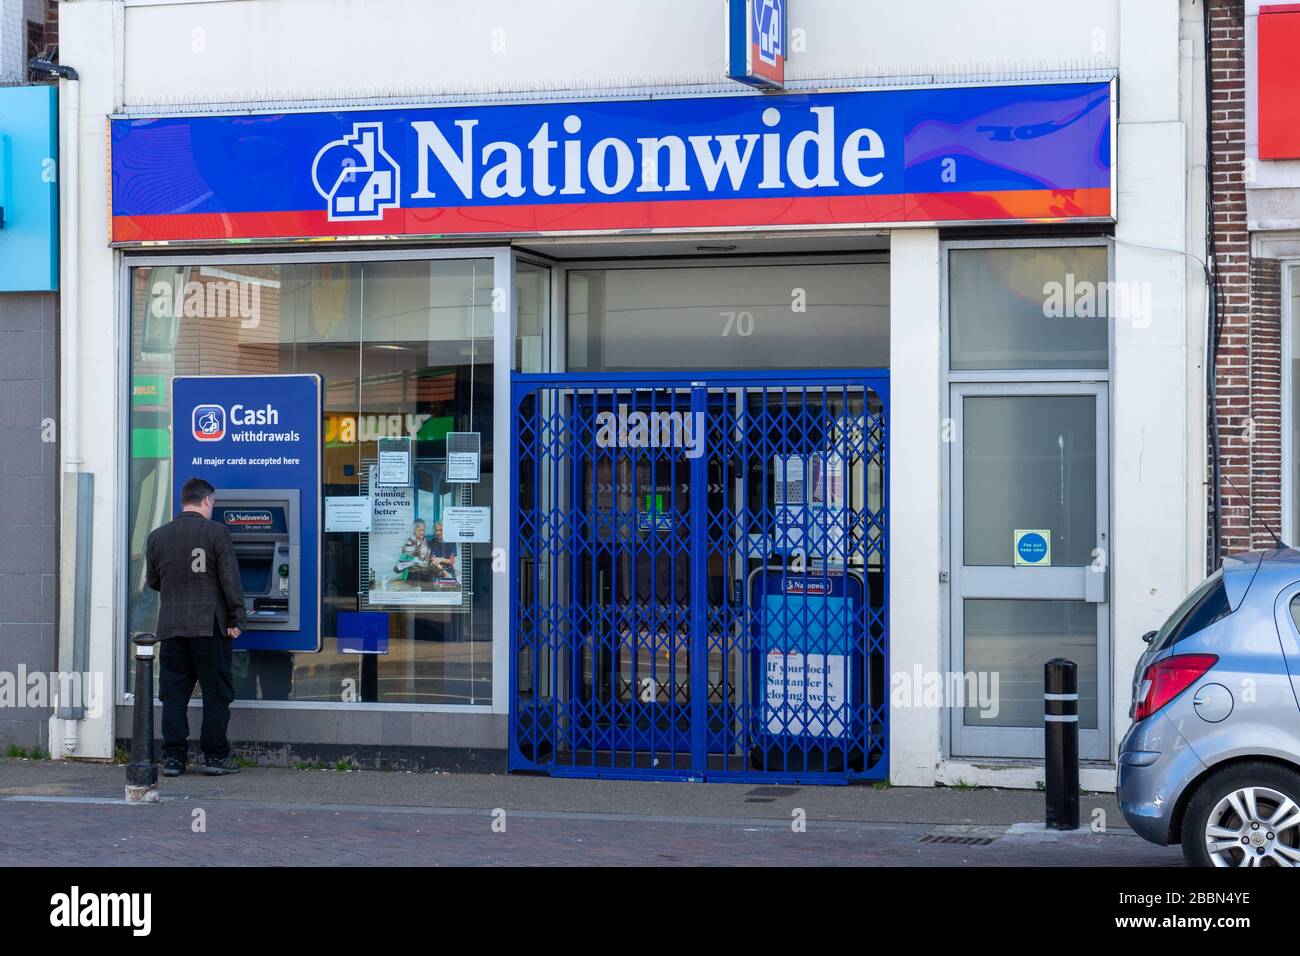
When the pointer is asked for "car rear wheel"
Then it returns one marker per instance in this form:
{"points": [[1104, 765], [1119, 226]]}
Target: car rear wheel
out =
{"points": [[1246, 815]]}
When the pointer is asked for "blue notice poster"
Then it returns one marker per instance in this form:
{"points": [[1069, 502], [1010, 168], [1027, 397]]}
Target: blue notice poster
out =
{"points": [[258, 438], [807, 630]]}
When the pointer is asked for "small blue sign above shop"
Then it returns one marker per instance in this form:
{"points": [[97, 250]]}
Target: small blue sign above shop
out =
{"points": [[756, 42], [257, 439], [29, 189]]}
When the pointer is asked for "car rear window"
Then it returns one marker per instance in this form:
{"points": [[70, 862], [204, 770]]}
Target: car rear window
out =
{"points": [[1205, 605], [1295, 610]]}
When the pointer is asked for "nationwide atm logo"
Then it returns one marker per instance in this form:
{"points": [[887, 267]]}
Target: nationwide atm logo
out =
{"points": [[248, 519], [807, 586], [851, 158], [209, 422]]}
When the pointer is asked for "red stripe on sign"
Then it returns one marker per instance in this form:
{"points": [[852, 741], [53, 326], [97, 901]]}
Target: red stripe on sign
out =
{"points": [[1054, 205]]}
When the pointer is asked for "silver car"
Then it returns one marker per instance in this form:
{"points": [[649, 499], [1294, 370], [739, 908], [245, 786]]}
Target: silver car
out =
{"points": [[1212, 760]]}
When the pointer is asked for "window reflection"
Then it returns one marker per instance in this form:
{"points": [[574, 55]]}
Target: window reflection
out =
{"points": [[1030, 308], [405, 349], [806, 315]]}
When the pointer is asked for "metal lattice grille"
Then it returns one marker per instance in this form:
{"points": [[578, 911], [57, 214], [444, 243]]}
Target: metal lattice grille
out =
{"points": [[699, 576]]}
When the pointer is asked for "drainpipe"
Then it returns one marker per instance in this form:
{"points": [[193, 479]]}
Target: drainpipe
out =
{"points": [[74, 569]]}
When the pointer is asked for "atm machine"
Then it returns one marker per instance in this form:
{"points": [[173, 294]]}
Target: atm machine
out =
{"points": [[265, 525]]}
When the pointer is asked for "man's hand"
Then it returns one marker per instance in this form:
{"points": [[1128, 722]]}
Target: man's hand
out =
{"points": [[232, 632]]}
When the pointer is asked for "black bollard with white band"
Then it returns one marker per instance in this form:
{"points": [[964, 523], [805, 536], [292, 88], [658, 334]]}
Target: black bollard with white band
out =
{"points": [[142, 772], [1061, 732]]}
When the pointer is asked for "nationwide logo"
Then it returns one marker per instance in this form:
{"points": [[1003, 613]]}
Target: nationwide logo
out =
{"points": [[356, 177], [456, 161], [769, 29], [814, 586], [248, 519], [209, 422]]}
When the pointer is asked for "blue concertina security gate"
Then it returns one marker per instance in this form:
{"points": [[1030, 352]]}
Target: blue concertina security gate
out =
{"points": [[699, 576]]}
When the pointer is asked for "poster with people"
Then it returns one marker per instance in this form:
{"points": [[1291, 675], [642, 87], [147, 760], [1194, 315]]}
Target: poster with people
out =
{"points": [[409, 562]]}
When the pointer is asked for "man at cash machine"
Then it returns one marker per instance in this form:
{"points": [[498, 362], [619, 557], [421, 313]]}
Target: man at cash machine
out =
{"points": [[192, 566]]}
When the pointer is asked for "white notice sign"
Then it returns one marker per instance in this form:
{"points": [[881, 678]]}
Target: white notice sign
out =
{"points": [[394, 462], [806, 687], [347, 513], [462, 456], [467, 524]]}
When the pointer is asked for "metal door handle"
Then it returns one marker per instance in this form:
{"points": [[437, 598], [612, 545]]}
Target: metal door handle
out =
{"points": [[1094, 584]]}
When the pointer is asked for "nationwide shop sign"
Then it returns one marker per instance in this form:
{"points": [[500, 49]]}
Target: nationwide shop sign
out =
{"points": [[1029, 152]]}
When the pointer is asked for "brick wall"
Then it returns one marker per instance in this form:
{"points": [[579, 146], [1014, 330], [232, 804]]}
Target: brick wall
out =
{"points": [[51, 24], [1248, 367]]}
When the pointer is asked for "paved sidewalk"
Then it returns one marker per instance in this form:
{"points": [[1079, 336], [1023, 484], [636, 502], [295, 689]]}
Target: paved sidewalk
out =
{"points": [[73, 814]]}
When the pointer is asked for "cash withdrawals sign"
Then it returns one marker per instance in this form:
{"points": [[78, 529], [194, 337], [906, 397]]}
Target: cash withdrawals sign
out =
{"points": [[258, 432]]}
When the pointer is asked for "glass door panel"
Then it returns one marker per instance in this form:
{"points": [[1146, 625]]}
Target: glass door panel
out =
{"points": [[1029, 562]]}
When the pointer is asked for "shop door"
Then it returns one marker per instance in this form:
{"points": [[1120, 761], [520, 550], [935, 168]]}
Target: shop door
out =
{"points": [[1030, 559], [698, 577]]}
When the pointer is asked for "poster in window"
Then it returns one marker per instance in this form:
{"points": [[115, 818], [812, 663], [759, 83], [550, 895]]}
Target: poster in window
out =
{"points": [[408, 560]]}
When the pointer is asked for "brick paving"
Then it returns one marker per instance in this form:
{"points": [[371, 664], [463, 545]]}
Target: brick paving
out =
{"points": [[53, 831], [71, 813]]}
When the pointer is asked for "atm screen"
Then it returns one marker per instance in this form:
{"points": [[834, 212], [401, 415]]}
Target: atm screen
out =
{"points": [[255, 573]]}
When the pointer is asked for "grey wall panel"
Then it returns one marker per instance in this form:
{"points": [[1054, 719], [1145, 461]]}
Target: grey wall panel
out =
{"points": [[28, 534]]}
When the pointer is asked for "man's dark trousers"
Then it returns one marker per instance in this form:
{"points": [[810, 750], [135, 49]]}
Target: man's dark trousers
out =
{"points": [[181, 662]]}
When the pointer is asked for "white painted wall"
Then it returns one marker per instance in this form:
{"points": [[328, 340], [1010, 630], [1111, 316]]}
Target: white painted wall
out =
{"points": [[916, 628], [1151, 482], [86, 31], [250, 50]]}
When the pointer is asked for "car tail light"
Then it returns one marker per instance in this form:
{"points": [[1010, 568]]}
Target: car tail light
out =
{"points": [[1166, 679]]}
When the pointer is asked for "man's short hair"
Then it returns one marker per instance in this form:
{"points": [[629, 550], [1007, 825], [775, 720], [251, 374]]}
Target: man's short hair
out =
{"points": [[195, 490]]}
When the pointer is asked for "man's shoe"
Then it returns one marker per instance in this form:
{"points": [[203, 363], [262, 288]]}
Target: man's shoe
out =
{"points": [[217, 768], [173, 767]]}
